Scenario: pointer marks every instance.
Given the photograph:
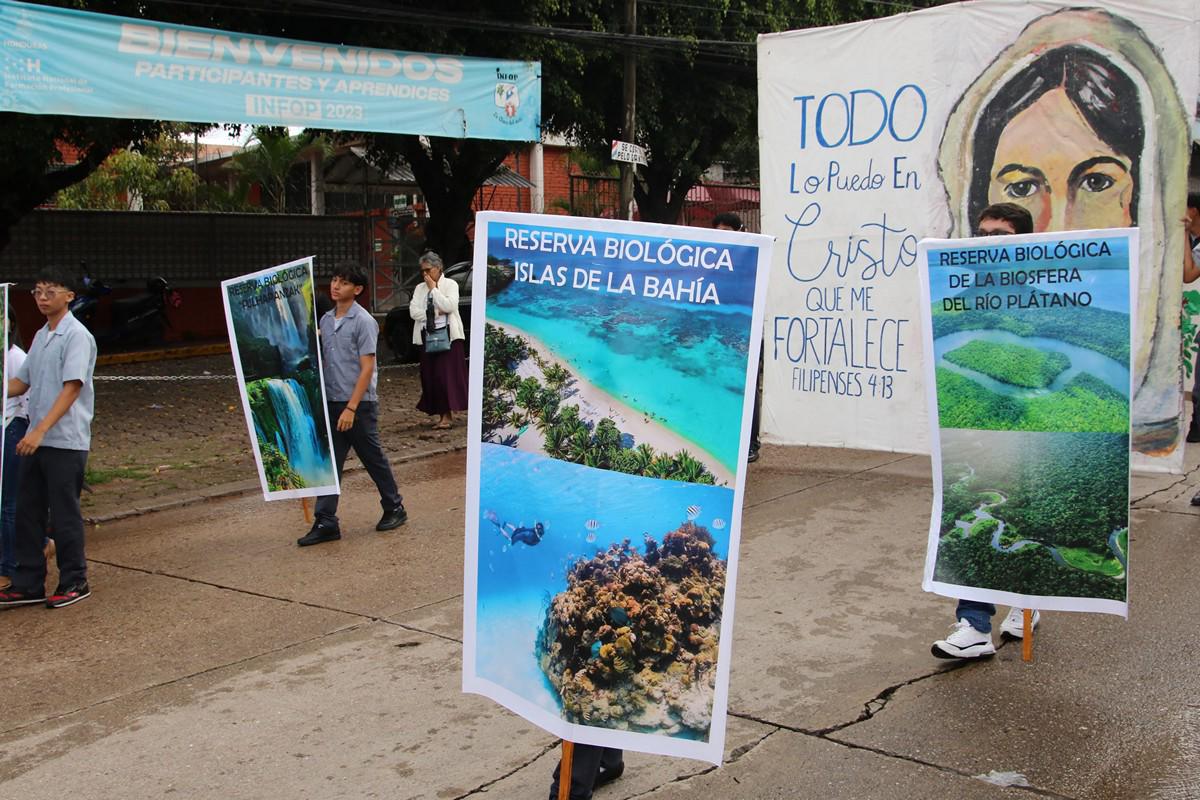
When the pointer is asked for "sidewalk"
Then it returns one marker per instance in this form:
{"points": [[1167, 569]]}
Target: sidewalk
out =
{"points": [[217, 659]]}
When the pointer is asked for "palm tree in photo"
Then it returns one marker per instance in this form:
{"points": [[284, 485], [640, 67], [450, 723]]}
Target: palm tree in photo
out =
{"points": [[643, 457], [580, 445], [687, 468], [556, 444]]}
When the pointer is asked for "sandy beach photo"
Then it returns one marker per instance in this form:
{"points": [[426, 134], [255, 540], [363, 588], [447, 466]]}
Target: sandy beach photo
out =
{"points": [[540, 406]]}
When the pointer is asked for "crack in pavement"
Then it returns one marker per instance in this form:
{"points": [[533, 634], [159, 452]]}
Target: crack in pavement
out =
{"points": [[483, 787], [826, 482], [872, 708], [1182, 479], [734, 755], [1168, 511], [363, 621], [278, 598], [941, 767], [879, 702]]}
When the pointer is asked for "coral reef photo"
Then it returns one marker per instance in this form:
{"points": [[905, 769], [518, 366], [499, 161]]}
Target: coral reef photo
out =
{"points": [[632, 642], [600, 594]]}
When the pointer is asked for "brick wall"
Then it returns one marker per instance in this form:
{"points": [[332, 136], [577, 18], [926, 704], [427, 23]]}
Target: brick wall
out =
{"points": [[556, 172]]}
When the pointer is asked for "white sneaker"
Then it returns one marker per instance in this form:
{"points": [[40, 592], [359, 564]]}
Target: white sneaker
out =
{"points": [[1014, 624], [964, 642]]}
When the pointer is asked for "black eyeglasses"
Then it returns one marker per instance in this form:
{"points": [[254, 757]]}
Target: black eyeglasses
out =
{"points": [[993, 233]]}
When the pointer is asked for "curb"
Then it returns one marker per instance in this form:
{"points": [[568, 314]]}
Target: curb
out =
{"points": [[162, 354], [238, 489]]}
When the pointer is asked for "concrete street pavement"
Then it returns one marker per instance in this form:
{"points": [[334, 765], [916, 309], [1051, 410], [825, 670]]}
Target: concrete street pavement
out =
{"points": [[217, 659]]}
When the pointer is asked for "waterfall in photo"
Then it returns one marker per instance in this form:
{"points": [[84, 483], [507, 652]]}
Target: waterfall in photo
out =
{"points": [[297, 437], [283, 323]]}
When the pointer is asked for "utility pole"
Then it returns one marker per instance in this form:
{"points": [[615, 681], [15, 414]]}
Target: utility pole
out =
{"points": [[629, 124]]}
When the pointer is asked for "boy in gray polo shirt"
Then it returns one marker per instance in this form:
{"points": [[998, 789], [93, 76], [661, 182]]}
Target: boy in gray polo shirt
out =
{"points": [[348, 335], [57, 373]]}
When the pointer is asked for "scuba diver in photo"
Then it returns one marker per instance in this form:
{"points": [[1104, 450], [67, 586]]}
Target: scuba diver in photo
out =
{"points": [[522, 533]]}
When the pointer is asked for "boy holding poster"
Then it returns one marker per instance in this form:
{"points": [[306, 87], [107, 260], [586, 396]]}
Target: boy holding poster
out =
{"points": [[58, 376], [348, 335], [972, 633]]}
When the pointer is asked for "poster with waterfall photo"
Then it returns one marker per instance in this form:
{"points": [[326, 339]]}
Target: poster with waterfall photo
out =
{"points": [[273, 334], [606, 462], [1030, 342]]}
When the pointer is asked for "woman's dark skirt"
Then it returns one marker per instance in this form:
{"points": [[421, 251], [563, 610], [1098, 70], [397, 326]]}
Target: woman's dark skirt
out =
{"points": [[444, 380]]}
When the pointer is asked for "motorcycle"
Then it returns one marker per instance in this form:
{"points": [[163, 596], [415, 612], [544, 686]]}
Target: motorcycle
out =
{"points": [[139, 319]]}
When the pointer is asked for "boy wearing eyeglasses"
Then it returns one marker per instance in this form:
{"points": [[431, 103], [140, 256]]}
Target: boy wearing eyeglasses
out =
{"points": [[57, 373]]}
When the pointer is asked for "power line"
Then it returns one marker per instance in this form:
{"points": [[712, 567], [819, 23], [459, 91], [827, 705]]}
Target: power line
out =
{"points": [[339, 10]]}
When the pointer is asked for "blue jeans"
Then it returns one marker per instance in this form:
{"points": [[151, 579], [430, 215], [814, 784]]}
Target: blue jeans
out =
{"points": [[8, 494], [978, 614]]}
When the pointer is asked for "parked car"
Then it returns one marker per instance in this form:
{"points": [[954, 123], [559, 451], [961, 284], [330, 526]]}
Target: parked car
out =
{"points": [[398, 324]]}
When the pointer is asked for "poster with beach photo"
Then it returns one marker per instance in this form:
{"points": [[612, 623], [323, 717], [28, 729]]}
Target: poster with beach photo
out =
{"points": [[1030, 388], [273, 334], [609, 429]]}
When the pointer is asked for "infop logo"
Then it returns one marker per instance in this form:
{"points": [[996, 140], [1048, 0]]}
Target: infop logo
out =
{"points": [[508, 98]]}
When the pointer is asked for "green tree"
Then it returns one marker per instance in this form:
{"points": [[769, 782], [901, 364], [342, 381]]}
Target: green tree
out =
{"points": [[268, 161], [156, 177], [696, 85]]}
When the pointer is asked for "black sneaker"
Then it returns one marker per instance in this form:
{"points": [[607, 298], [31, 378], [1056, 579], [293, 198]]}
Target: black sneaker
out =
{"points": [[392, 519], [320, 533], [68, 595], [15, 597], [605, 775]]}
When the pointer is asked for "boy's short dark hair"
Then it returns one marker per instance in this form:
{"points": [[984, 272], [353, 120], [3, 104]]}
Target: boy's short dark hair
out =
{"points": [[350, 272], [56, 276], [1193, 200], [1015, 215], [729, 220]]}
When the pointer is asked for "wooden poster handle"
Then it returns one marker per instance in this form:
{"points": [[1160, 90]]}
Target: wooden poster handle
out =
{"points": [[564, 770], [308, 517], [1027, 637]]}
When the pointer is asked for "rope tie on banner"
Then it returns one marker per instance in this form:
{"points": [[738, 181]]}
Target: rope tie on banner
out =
{"points": [[174, 378]]}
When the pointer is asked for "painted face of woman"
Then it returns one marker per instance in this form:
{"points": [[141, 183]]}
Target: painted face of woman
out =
{"points": [[1049, 160]]}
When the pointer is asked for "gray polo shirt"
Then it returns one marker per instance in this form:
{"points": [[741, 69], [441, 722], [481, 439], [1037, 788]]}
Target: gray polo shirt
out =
{"points": [[67, 353], [343, 342]]}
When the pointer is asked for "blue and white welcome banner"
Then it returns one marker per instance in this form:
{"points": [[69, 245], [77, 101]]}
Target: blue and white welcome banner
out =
{"points": [[609, 428], [272, 322], [62, 61], [1030, 384]]}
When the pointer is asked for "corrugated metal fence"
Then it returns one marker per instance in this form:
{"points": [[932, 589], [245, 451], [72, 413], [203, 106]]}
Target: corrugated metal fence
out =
{"points": [[183, 247]]}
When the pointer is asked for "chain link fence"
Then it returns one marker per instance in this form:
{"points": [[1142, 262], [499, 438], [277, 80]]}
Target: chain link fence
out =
{"points": [[204, 377]]}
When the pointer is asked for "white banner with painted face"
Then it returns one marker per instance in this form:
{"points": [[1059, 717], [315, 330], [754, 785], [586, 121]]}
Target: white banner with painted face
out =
{"points": [[1075, 114]]}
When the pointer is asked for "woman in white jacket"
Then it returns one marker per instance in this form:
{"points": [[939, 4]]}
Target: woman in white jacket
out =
{"points": [[434, 309]]}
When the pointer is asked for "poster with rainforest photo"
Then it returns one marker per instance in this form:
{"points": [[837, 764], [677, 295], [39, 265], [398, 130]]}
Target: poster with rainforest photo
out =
{"points": [[273, 334], [1028, 342], [610, 423]]}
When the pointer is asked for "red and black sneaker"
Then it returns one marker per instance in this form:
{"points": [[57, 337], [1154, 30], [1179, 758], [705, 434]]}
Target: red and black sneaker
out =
{"points": [[66, 595], [16, 597]]}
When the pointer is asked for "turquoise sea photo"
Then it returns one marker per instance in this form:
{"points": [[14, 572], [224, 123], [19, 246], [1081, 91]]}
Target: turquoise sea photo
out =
{"points": [[667, 373]]}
